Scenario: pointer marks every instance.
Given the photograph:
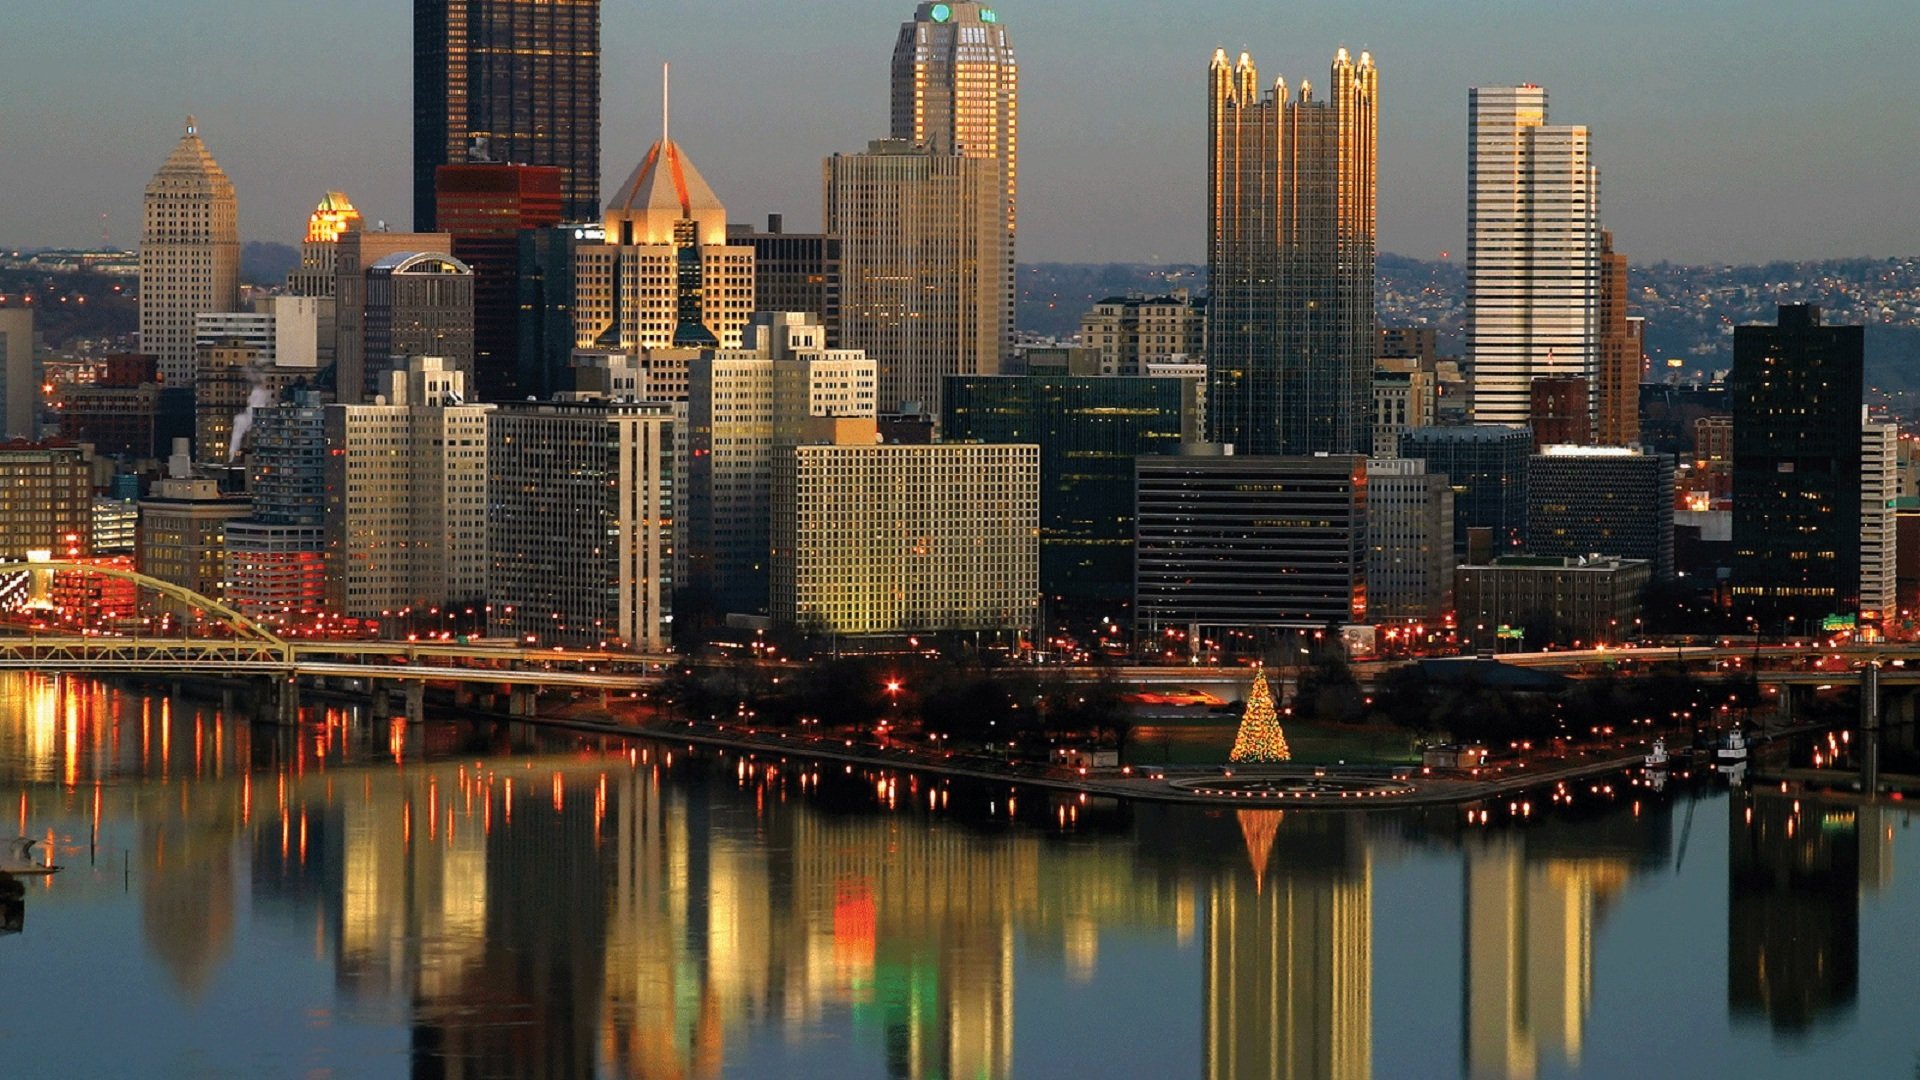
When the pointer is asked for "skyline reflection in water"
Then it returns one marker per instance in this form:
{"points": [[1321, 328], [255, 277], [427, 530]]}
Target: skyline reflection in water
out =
{"points": [[362, 898]]}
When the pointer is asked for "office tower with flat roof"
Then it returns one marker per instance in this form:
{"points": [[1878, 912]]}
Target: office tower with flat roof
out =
{"points": [[1090, 429], [276, 555], [406, 486], [920, 247], [1291, 181], [1879, 494], [943, 537], [1601, 500], [1409, 541], [665, 282], [485, 206], [1796, 390], [741, 405], [1224, 541], [1622, 343], [794, 272], [507, 80], [956, 90], [1487, 465], [49, 498], [19, 375], [580, 523], [189, 254], [1533, 250], [543, 290]]}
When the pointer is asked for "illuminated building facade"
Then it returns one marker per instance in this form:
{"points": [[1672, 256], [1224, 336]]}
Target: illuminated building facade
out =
{"points": [[276, 556], [1796, 391], [922, 241], [406, 497], [1601, 500], [896, 539], [183, 531], [666, 280], [484, 207], [1409, 541], [1879, 492], [1089, 429], [741, 404], [1622, 347], [1404, 398], [956, 90], [20, 375], [1231, 541], [1133, 333], [189, 254], [49, 499], [1291, 182], [580, 523], [334, 216], [507, 80], [1533, 250]]}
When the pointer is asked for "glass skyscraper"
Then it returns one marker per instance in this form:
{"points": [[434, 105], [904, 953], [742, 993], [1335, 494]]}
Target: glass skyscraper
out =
{"points": [[1290, 232], [507, 80]]}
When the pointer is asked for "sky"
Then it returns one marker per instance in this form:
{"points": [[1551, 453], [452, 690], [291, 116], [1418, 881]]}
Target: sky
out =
{"points": [[1725, 130]]}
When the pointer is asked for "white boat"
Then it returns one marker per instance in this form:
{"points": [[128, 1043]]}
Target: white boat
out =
{"points": [[19, 860], [1732, 749], [1657, 759]]}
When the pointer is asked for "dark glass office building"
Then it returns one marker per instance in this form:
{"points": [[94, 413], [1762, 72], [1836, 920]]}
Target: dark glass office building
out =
{"points": [[543, 284], [1090, 430], [1487, 464], [1601, 500], [794, 272], [1266, 542], [1796, 390], [522, 75]]}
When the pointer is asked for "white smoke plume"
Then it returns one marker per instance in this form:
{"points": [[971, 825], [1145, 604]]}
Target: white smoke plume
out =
{"points": [[259, 398]]}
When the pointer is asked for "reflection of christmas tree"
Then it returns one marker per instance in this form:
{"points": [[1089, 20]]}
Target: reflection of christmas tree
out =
{"points": [[1260, 739]]}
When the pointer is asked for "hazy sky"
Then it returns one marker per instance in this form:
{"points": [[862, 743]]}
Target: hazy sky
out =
{"points": [[1725, 130]]}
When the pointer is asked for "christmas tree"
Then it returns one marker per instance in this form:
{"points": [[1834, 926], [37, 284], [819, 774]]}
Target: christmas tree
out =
{"points": [[1260, 740]]}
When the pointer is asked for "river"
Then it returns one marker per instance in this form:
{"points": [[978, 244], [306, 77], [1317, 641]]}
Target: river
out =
{"points": [[358, 897]]}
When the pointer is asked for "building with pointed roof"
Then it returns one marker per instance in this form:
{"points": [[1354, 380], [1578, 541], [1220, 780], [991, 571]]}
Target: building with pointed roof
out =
{"points": [[189, 254], [666, 280]]}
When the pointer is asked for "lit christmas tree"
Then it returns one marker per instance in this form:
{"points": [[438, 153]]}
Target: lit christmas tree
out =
{"points": [[1260, 741]]}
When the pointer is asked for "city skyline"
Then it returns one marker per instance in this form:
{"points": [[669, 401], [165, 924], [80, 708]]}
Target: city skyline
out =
{"points": [[1686, 143]]}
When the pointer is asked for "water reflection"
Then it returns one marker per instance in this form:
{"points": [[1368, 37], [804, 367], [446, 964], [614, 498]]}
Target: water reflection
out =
{"points": [[511, 904]]}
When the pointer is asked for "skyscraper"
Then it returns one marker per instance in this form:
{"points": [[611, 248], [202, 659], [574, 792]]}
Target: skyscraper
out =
{"points": [[507, 80], [1617, 399], [1533, 250], [956, 91], [189, 254], [19, 374], [920, 246], [484, 207], [1290, 233], [1796, 390]]}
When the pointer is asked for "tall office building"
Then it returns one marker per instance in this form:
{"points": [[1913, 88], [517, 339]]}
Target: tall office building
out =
{"points": [[1090, 429], [956, 90], [1270, 542], [580, 523], [1560, 411], [507, 80], [794, 272], [417, 304], [1533, 250], [1487, 465], [942, 538], [333, 216], [1879, 491], [1290, 256], [49, 503], [666, 281], [406, 488], [484, 206], [1617, 400], [355, 254], [1409, 541], [19, 375], [741, 404], [276, 555], [543, 289], [921, 247], [189, 254], [1601, 500], [183, 530], [1796, 391]]}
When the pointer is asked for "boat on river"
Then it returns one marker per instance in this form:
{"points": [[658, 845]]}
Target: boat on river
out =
{"points": [[1657, 758], [1732, 748], [20, 862]]}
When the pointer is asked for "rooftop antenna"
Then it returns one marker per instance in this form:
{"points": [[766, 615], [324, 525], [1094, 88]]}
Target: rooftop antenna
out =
{"points": [[666, 97]]}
